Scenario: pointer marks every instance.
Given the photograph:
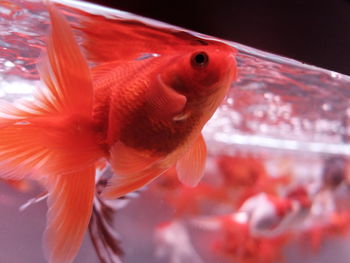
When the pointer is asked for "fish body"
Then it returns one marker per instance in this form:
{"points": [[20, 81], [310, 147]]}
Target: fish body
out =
{"points": [[169, 102], [160, 104], [142, 115]]}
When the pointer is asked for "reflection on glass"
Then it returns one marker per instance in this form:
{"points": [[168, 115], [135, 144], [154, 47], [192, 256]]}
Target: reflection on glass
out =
{"points": [[277, 176]]}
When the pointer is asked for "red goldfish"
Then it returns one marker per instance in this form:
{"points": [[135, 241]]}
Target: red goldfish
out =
{"points": [[239, 246], [236, 242], [142, 115]]}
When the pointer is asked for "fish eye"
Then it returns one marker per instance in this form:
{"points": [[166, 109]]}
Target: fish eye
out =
{"points": [[199, 60]]}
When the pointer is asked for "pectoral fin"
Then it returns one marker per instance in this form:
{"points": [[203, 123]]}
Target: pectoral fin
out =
{"points": [[133, 169], [190, 168], [126, 160], [70, 206], [122, 185]]}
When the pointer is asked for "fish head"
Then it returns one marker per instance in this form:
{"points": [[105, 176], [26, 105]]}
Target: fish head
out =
{"points": [[201, 70]]}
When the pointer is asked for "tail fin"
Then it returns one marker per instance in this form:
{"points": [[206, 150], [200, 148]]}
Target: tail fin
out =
{"points": [[52, 140]]}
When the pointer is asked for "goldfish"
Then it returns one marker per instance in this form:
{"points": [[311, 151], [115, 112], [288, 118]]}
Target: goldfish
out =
{"points": [[237, 244], [185, 200], [255, 212], [338, 226], [173, 241], [141, 115]]}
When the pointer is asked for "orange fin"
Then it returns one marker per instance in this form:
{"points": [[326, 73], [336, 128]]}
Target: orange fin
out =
{"points": [[70, 206], [122, 185], [51, 139], [132, 169], [31, 134], [126, 160], [21, 152], [190, 168], [65, 71], [133, 37], [163, 101]]}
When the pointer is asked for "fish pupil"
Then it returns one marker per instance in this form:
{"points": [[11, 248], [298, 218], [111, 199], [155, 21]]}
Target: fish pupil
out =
{"points": [[200, 59]]}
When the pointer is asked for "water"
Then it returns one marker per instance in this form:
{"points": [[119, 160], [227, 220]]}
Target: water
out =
{"points": [[284, 126]]}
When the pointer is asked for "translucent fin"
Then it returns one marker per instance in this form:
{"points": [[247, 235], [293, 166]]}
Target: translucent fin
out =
{"points": [[122, 185], [190, 168], [21, 152], [126, 161], [52, 140], [44, 136], [65, 71], [70, 206], [134, 38], [133, 169]]}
